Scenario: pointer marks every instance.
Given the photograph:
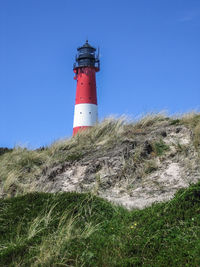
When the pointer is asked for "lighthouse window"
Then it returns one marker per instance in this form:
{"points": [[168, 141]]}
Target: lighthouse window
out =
{"points": [[81, 83], [80, 112], [90, 112]]}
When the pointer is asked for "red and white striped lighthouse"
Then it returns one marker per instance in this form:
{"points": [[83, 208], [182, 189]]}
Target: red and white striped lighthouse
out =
{"points": [[85, 68]]}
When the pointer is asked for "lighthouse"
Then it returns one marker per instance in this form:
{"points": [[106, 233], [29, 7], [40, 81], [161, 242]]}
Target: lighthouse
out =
{"points": [[85, 68]]}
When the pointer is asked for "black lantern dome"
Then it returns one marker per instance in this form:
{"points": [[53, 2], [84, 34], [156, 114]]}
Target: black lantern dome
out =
{"points": [[86, 56]]}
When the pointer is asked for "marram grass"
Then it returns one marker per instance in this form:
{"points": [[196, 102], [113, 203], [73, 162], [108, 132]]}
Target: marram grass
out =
{"points": [[71, 229], [21, 167]]}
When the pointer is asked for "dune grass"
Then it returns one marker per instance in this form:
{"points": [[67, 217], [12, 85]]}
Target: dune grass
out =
{"points": [[71, 229], [21, 167]]}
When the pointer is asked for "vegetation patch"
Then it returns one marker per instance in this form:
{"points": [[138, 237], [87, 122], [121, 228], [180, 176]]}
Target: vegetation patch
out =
{"points": [[175, 122], [4, 150], [160, 148], [193, 122], [72, 229], [73, 157]]}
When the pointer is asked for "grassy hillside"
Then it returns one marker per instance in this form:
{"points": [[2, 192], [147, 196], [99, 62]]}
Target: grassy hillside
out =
{"points": [[70, 229], [81, 229], [21, 168]]}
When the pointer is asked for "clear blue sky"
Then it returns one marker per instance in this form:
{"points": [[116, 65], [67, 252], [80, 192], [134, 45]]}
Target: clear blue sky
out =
{"points": [[150, 61]]}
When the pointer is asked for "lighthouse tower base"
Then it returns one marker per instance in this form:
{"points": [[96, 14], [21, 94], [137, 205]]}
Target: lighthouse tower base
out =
{"points": [[85, 115]]}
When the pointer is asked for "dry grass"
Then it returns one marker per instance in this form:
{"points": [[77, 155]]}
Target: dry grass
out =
{"points": [[40, 223], [192, 120], [55, 245], [151, 119], [21, 168]]}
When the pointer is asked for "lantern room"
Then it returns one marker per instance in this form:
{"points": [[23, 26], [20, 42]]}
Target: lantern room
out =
{"points": [[87, 57]]}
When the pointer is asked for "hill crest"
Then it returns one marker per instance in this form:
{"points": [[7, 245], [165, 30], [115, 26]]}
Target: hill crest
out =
{"points": [[132, 164]]}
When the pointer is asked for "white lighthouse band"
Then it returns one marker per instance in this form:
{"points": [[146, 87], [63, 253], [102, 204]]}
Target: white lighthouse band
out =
{"points": [[85, 115]]}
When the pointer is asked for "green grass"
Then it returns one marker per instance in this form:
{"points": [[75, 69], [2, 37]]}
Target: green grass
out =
{"points": [[175, 122], [71, 229], [160, 148]]}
